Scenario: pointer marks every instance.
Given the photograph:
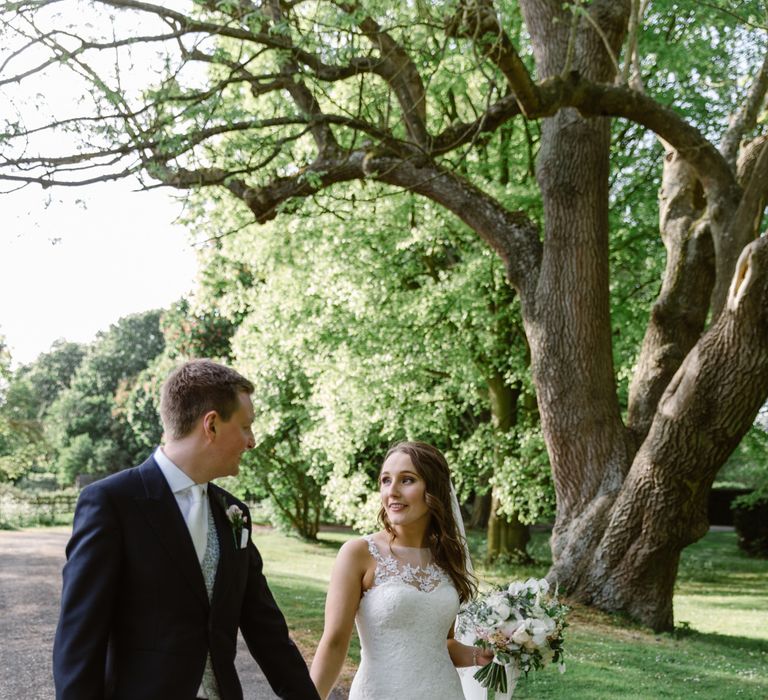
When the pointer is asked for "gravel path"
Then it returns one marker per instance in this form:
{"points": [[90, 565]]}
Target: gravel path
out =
{"points": [[30, 583]]}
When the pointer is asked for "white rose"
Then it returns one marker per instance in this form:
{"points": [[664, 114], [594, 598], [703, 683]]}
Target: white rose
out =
{"points": [[539, 631], [502, 610], [543, 586], [499, 607], [540, 617], [521, 636], [509, 628], [493, 599], [532, 585], [516, 588]]}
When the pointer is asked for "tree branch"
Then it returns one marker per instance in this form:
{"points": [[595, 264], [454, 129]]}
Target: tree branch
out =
{"points": [[743, 226], [477, 20], [511, 234], [462, 133], [744, 120], [397, 69], [593, 99], [189, 25]]}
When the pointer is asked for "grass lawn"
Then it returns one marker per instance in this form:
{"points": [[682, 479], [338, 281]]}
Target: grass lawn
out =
{"points": [[719, 650]]}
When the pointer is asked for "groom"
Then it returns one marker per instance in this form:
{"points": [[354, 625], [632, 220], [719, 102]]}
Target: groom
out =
{"points": [[161, 570]]}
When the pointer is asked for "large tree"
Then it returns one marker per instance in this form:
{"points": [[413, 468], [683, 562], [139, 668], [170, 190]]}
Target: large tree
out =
{"points": [[89, 424], [406, 330], [32, 390], [275, 101]]}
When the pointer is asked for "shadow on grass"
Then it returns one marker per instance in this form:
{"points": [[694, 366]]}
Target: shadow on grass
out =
{"points": [[644, 666], [332, 545], [722, 643]]}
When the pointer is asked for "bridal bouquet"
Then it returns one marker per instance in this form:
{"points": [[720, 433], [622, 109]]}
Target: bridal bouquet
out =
{"points": [[522, 624]]}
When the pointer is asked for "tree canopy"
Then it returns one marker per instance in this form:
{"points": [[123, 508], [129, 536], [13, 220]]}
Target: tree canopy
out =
{"points": [[271, 103]]}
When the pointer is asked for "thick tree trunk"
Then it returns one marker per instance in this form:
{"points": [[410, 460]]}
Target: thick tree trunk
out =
{"points": [[506, 535], [680, 311], [568, 318], [481, 511], [705, 411], [625, 514], [568, 324]]}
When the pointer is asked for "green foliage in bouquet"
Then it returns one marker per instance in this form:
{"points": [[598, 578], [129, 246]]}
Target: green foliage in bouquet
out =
{"points": [[522, 624]]}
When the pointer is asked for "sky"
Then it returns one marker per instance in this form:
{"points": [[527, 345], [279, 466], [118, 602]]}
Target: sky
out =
{"points": [[75, 260], [71, 266]]}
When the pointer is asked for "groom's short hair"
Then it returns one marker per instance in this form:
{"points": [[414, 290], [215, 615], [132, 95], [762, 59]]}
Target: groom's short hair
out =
{"points": [[196, 387]]}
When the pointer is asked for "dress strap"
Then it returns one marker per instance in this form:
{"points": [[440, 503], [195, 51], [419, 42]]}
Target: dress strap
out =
{"points": [[372, 548]]}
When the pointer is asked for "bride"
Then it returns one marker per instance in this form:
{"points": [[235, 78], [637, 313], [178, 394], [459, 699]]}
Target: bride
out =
{"points": [[402, 586]]}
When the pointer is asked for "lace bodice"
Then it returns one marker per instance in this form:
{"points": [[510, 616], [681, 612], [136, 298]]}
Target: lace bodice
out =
{"points": [[403, 622], [419, 572]]}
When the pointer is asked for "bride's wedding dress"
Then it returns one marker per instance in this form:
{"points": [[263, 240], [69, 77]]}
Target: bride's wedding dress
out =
{"points": [[403, 623]]}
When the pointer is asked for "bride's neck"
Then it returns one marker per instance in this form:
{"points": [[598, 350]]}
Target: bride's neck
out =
{"points": [[410, 536]]}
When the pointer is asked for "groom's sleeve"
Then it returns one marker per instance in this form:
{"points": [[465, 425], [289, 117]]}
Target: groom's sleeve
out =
{"points": [[266, 634], [87, 599]]}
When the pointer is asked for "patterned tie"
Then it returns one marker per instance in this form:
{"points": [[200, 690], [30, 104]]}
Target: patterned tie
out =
{"points": [[209, 563]]}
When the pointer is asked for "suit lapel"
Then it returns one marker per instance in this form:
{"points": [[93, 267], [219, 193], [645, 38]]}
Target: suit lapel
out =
{"points": [[162, 512]]}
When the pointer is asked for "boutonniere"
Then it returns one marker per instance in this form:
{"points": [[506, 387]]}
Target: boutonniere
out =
{"points": [[239, 523]]}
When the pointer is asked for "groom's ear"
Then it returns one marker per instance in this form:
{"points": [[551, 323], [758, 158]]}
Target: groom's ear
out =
{"points": [[209, 424]]}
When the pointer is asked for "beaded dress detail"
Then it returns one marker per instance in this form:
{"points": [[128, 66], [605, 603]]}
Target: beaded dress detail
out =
{"points": [[403, 622]]}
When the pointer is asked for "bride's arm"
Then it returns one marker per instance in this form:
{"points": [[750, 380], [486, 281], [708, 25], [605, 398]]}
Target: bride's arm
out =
{"points": [[341, 603], [466, 655]]}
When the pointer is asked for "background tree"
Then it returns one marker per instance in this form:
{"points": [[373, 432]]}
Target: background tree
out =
{"points": [[5, 363], [31, 391], [297, 98], [187, 332], [198, 333], [402, 331], [8, 467], [86, 423]]}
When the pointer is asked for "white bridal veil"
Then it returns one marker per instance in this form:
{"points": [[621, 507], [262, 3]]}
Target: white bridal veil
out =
{"points": [[472, 689]]}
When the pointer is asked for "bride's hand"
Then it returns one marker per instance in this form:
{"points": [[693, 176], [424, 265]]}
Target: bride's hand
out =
{"points": [[464, 655], [482, 657]]}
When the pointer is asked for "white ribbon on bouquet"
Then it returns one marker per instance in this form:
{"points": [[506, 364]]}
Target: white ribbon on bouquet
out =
{"points": [[474, 691]]}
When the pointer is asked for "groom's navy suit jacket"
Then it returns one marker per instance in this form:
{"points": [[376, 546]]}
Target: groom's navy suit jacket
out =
{"points": [[135, 619]]}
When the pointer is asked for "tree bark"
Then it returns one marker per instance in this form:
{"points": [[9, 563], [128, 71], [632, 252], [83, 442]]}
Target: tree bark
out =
{"points": [[568, 319], [703, 414], [680, 311], [506, 535], [481, 511]]}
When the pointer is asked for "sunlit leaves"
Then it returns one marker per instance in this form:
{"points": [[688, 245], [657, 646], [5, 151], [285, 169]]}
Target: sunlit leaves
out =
{"points": [[391, 315]]}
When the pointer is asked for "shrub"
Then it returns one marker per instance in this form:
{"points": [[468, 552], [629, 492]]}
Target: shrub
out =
{"points": [[23, 509], [750, 518]]}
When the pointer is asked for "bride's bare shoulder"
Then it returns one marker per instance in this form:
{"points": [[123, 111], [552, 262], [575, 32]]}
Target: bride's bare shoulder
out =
{"points": [[358, 550], [355, 548]]}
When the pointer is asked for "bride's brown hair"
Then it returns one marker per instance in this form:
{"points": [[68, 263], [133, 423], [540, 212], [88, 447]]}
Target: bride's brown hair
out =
{"points": [[445, 541]]}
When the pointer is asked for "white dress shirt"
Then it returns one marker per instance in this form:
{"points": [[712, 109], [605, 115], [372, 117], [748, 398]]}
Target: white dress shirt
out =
{"points": [[180, 484]]}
